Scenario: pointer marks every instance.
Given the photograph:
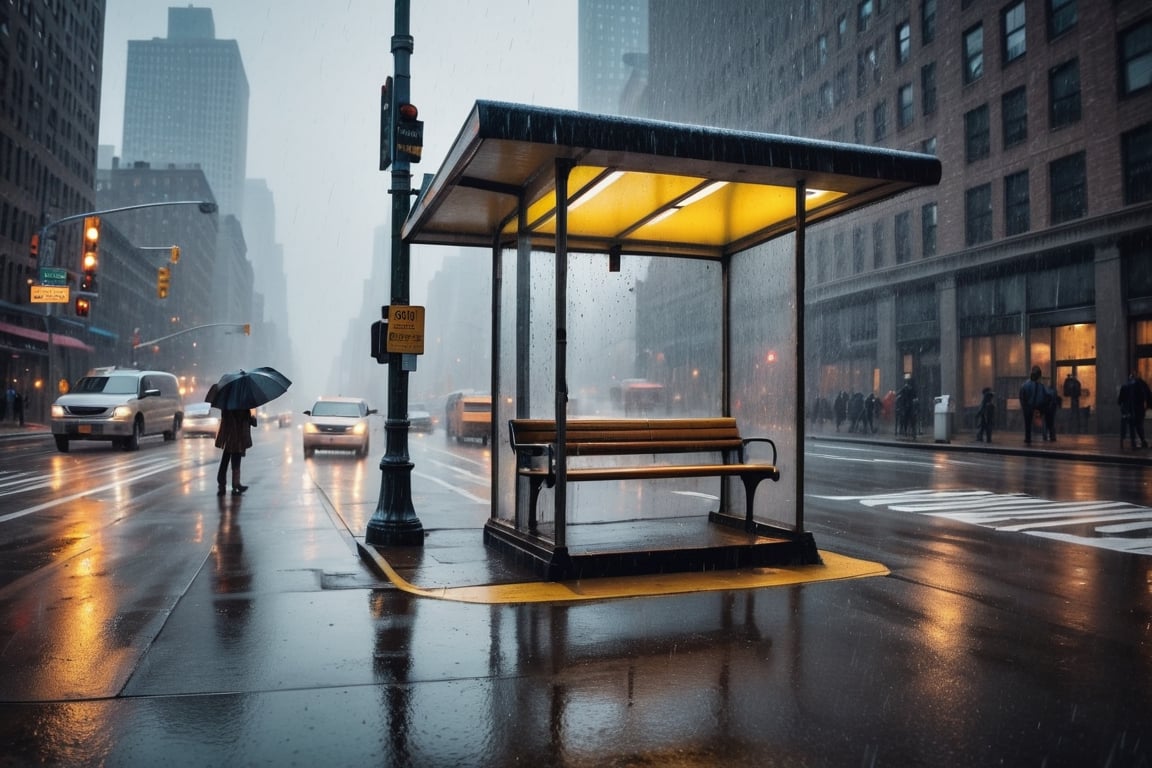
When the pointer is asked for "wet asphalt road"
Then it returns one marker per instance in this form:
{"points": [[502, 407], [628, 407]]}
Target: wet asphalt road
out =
{"points": [[145, 622]]}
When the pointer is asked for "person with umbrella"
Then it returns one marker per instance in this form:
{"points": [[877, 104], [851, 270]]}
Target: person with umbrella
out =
{"points": [[235, 437], [236, 394]]}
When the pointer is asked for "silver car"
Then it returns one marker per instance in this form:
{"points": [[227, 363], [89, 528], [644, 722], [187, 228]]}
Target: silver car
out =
{"points": [[337, 424], [120, 405]]}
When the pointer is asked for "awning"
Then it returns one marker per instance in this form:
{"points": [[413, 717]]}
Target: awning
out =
{"points": [[644, 186], [58, 339]]}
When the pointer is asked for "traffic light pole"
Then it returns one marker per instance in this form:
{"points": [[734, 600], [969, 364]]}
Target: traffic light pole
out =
{"points": [[395, 521], [205, 206]]}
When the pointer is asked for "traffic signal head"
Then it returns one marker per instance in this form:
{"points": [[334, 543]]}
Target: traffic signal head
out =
{"points": [[175, 255], [90, 258], [162, 277], [82, 306]]}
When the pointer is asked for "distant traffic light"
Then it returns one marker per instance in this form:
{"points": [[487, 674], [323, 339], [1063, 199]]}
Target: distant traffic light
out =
{"points": [[90, 258], [247, 329], [175, 255], [82, 306], [163, 275]]}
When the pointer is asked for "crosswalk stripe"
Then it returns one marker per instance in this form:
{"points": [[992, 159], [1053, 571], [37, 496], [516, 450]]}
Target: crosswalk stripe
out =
{"points": [[1113, 523]]}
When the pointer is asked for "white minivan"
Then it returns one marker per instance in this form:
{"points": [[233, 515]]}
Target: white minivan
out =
{"points": [[118, 404]]}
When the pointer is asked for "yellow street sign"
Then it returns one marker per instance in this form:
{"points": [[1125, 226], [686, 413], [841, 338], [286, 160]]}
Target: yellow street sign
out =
{"points": [[406, 330], [50, 294]]}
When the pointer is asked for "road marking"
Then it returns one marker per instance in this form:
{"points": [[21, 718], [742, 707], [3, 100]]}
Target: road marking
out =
{"points": [[158, 467], [449, 486], [1113, 523]]}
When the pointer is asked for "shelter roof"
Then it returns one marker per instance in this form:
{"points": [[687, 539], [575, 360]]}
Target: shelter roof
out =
{"points": [[643, 186]]}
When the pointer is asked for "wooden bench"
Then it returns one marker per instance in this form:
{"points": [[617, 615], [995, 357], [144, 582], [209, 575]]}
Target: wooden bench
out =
{"points": [[534, 438]]}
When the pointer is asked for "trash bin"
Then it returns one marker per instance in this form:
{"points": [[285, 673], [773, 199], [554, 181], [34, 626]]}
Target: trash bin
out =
{"points": [[942, 410]]}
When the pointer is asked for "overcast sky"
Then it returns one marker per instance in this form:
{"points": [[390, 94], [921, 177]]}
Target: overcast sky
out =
{"points": [[314, 74]]}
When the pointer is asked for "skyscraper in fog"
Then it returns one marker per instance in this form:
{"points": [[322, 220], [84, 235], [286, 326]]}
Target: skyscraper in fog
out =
{"points": [[186, 101], [613, 45]]}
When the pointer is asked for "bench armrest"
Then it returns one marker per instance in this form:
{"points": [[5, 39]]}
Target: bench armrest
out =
{"points": [[540, 449], [768, 440]]}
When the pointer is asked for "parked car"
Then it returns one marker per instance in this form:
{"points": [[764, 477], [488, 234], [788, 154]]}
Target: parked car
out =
{"points": [[337, 424], [201, 420], [419, 417], [120, 405], [468, 415]]}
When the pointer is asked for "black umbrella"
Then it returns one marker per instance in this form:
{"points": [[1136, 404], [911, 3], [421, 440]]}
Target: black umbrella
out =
{"points": [[243, 390]]}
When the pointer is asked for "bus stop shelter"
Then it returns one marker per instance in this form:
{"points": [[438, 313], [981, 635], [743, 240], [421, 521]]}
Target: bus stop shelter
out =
{"points": [[584, 215]]}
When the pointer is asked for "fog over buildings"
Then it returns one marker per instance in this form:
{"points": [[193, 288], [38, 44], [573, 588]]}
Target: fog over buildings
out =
{"points": [[314, 80]]}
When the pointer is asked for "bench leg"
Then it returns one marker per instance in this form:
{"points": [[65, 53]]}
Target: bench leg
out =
{"points": [[533, 494], [750, 485]]}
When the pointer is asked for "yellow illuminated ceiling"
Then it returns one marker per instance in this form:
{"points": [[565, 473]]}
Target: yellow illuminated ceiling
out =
{"points": [[642, 186]]}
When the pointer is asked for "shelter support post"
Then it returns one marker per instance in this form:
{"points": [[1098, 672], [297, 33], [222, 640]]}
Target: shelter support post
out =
{"points": [[563, 168], [801, 223]]}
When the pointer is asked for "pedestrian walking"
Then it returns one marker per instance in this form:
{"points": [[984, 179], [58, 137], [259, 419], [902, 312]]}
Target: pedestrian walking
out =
{"points": [[840, 408], [1033, 397], [1134, 400], [9, 404], [985, 416], [1072, 392], [234, 436], [871, 412], [18, 404], [1051, 407]]}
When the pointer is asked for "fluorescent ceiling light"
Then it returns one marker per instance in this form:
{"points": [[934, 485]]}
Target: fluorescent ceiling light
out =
{"points": [[595, 189], [702, 193]]}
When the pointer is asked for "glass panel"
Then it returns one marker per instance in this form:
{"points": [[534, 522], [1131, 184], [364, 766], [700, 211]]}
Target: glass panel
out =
{"points": [[763, 350]]}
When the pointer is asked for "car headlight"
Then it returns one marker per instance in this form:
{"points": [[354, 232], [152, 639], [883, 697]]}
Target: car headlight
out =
{"points": [[57, 411], [122, 412], [310, 429], [359, 428]]}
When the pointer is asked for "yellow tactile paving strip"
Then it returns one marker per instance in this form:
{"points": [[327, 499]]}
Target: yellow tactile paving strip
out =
{"points": [[836, 567]]}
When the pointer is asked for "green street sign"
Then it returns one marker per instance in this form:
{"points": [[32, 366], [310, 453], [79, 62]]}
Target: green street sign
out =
{"points": [[53, 276]]}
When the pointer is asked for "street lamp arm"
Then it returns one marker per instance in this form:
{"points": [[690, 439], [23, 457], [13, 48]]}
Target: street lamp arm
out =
{"points": [[241, 326], [206, 206]]}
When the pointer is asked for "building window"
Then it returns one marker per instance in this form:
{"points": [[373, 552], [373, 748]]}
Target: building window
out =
{"points": [[839, 249], [928, 87], [1136, 149], [821, 50], [1014, 111], [858, 127], [1064, 94], [978, 214], [928, 146], [866, 70], [927, 21], [841, 31], [1136, 58], [1012, 22], [903, 237], [858, 249], [880, 122], [903, 42], [1016, 204], [928, 229], [904, 116], [1061, 17], [878, 246], [976, 131], [863, 15], [1068, 188], [973, 54]]}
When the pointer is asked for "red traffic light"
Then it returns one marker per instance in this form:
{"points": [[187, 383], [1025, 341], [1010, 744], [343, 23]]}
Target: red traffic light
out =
{"points": [[408, 111], [82, 306]]}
